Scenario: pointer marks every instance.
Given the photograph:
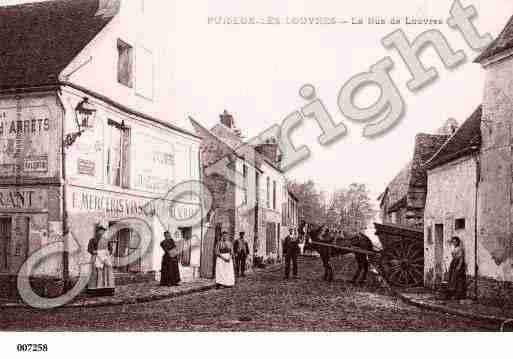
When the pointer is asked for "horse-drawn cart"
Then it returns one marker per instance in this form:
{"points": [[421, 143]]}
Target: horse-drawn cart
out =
{"points": [[400, 261], [402, 257]]}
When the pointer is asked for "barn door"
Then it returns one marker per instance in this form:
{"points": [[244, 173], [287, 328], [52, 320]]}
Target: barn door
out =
{"points": [[5, 243]]}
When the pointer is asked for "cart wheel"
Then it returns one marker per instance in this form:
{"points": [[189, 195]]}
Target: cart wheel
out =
{"points": [[403, 263]]}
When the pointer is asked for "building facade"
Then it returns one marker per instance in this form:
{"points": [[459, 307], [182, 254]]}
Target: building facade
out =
{"points": [[64, 170], [451, 204], [255, 207]]}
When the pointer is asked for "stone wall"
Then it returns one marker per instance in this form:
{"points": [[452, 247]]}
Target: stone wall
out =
{"points": [[495, 216]]}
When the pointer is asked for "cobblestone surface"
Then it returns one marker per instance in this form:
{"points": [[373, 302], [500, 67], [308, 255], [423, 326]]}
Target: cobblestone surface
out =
{"points": [[263, 301]]}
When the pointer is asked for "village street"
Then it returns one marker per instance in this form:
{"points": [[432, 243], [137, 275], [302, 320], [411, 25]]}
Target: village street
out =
{"points": [[263, 301]]}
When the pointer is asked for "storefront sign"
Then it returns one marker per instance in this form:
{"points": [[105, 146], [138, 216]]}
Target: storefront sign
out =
{"points": [[23, 199], [117, 206], [86, 167], [35, 164]]}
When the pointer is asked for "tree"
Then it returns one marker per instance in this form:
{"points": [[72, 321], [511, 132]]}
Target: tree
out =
{"points": [[311, 202], [350, 209]]}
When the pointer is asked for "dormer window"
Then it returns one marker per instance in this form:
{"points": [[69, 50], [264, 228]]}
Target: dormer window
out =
{"points": [[125, 64]]}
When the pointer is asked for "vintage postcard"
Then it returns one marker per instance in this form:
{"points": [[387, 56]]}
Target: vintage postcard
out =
{"points": [[274, 166]]}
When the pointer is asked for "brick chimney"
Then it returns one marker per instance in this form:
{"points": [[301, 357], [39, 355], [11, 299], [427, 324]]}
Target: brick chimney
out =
{"points": [[269, 150], [449, 128], [227, 120]]}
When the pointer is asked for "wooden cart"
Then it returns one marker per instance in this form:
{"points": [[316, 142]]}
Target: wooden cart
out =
{"points": [[402, 258]]}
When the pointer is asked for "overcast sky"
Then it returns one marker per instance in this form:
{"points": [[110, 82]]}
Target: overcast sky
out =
{"points": [[255, 72]]}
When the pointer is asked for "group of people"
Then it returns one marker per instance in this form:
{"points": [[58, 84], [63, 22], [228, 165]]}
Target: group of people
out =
{"points": [[231, 262], [230, 259]]}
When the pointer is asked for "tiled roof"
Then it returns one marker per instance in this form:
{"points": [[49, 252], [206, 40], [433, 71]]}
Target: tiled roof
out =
{"points": [[466, 139], [38, 40], [502, 43], [413, 174], [426, 145], [397, 189]]}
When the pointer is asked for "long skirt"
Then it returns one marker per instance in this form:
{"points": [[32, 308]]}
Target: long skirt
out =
{"points": [[457, 286], [101, 281], [225, 274], [169, 273]]}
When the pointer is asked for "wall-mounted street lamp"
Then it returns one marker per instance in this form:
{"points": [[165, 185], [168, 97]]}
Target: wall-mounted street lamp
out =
{"points": [[85, 114]]}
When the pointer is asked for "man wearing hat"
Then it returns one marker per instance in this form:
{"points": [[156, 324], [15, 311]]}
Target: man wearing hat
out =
{"points": [[290, 252], [241, 250], [101, 280]]}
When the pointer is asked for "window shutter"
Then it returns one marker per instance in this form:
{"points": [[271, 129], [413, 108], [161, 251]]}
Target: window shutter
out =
{"points": [[125, 172]]}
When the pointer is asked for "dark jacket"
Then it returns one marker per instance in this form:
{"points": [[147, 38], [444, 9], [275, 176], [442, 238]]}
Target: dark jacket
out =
{"points": [[241, 250], [290, 246]]}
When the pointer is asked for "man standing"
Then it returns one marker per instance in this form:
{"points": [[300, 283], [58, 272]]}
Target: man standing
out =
{"points": [[290, 252], [241, 249]]}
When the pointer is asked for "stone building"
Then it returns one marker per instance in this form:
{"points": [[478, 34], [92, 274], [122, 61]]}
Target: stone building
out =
{"points": [[403, 200], [84, 135], [451, 202], [254, 208], [495, 215]]}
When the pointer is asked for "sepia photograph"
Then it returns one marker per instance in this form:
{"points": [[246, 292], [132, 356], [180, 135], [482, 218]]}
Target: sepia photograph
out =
{"points": [[294, 171]]}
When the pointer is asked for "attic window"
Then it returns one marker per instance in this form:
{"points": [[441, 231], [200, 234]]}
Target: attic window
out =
{"points": [[125, 64], [459, 224]]}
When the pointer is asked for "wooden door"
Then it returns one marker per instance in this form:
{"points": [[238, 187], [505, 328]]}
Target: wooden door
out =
{"points": [[5, 243], [439, 252], [19, 243]]}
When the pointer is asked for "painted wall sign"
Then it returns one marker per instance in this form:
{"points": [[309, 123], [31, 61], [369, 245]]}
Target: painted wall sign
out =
{"points": [[35, 164], [154, 164], [25, 134], [23, 199], [116, 206], [86, 167]]}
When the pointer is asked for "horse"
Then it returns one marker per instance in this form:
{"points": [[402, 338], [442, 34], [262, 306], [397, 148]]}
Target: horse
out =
{"points": [[360, 240]]}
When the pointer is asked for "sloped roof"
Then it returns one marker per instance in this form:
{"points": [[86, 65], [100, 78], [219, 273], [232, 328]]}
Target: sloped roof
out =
{"points": [[426, 145], [413, 174], [466, 139], [502, 43], [397, 189], [237, 144], [38, 40]]}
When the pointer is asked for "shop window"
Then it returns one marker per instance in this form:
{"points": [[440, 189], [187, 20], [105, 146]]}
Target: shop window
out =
{"points": [[118, 154], [125, 64], [5, 242], [459, 224]]}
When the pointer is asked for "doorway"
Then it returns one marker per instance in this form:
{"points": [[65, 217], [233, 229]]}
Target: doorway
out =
{"points": [[439, 252], [5, 243]]}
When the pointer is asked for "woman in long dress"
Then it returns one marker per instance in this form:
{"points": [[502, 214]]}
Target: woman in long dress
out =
{"points": [[457, 286], [170, 272], [225, 273], [101, 281]]}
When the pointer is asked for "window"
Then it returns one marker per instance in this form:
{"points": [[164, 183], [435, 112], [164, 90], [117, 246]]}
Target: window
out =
{"points": [[268, 195], [117, 154], [459, 224], [429, 235], [125, 64], [245, 177], [257, 187], [274, 194]]}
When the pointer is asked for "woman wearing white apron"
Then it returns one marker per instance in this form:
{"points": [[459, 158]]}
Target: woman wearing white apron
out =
{"points": [[101, 281], [225, 272]]}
